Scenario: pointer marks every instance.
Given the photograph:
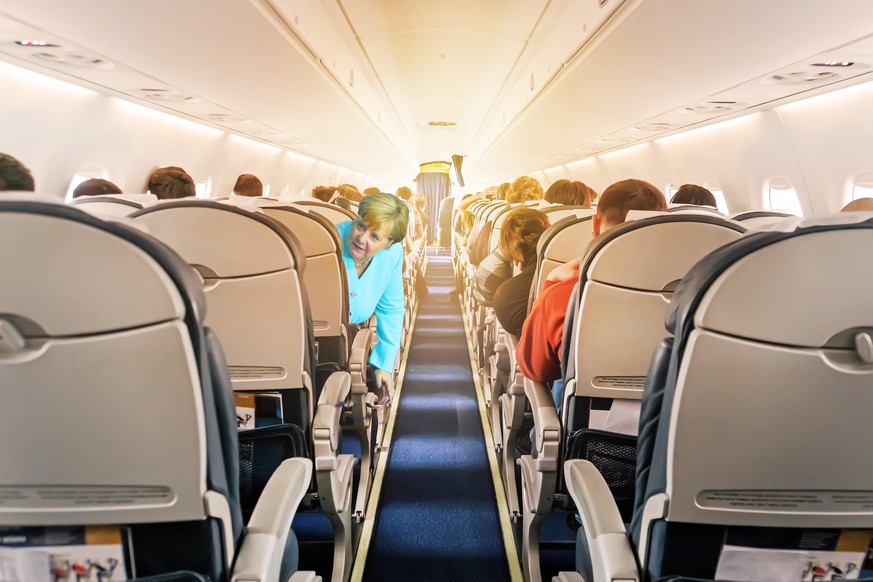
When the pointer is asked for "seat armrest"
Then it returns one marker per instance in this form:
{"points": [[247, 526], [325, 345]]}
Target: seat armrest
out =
{"points": [[260, 556], [612, 556], [568, 577], [546, 423], [326, 424], [304, 577], [362, 345]]}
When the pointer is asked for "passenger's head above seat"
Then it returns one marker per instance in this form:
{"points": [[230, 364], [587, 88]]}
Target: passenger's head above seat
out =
{"points": [[170, 183], [248, 185], [520, 233], [623, 196], [693, 194], [859, 205], [524, 188], [14, 175], [96, 187], [567, 192], [324, 193], [349, 192]]}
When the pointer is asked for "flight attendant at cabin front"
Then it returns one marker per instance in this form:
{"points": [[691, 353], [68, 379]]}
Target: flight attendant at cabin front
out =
{"points": [[374, 264]]}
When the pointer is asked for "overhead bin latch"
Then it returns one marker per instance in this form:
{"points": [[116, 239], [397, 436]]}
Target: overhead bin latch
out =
{"points": [[864, 346], [11, 340]]}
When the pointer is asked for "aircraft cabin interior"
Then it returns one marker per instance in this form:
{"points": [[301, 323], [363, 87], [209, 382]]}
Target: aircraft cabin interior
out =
{"points": [[377, 290]]}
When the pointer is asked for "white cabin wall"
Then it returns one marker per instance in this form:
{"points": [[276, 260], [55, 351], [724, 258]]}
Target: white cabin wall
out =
{"points": [[58, 130], [833, 140], [819, 145], [648, 161], [741, 155]]}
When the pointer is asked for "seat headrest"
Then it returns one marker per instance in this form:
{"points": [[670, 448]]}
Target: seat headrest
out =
{"points": [[77, 275], [807, 287], [219, 239], [317, 234], [628, 255]]}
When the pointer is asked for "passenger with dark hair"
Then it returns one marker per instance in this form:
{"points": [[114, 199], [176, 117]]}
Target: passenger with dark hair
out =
{"points": [[569, 193], [14, 175], [539, 346], [248, 185], [324, 193], [693, 194], [518, 238], [859, 205], [95, 187], [171, 183]]}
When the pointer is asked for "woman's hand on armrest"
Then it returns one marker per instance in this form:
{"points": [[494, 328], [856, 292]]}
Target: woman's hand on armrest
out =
{"points": [[385, 382]]}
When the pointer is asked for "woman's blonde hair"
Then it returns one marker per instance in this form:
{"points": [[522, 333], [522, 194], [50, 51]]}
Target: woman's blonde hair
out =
{"points": [[385, 212], [521, 231]]}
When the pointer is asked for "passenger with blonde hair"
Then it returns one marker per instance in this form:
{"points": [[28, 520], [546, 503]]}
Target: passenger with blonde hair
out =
{"points": [[14, 176], [518, 238], [520, 232], [374, 265], [524, 188]]}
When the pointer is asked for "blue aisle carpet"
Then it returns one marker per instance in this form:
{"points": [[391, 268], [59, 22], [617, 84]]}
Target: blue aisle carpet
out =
{"points": [[438, 516]]}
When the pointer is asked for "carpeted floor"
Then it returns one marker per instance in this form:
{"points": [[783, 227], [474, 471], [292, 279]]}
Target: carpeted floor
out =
{"points": [[437, 516]]}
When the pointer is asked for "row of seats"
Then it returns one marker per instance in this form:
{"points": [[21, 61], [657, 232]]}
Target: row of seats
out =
{"points": [[762, 336], [98, 333], [614, 325]]}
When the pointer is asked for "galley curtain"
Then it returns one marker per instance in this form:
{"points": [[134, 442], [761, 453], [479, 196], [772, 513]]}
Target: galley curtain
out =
{"points": [[433, 182]]}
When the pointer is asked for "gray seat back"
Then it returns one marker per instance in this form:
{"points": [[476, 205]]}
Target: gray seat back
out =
{"points": [[325, 272], [333, 213], [626, 283], [756, 420], [113, 412], [252, 277]]}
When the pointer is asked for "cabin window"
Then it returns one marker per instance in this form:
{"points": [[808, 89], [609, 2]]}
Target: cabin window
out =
{"points": [[203, 188], [720, 201], [862, 187], [782, 196], [266, 190], [670, 191]]}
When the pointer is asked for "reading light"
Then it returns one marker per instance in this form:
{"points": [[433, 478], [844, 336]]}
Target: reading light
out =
{"points": [[34, 43], [834, 64]]}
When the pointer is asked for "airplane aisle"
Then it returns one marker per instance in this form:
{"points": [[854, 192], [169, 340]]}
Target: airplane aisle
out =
{"points": [[437, 513]]}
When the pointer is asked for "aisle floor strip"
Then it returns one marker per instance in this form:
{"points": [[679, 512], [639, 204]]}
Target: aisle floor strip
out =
{"points": [[512, 556], [376, 489]]}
